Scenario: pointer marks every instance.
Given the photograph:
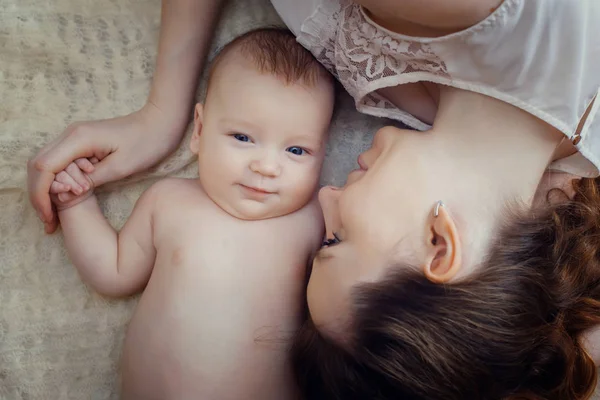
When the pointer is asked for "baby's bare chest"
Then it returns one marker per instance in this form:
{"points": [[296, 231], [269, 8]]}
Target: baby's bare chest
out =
{"points": [[202, 236], [211, 258], [216, 279]]}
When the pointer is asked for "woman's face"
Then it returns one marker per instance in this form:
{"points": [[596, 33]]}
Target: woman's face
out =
{"points": [[377, 217], [382, 219]]}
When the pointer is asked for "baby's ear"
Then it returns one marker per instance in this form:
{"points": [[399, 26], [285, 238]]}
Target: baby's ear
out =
{"points": [[198, 118]]}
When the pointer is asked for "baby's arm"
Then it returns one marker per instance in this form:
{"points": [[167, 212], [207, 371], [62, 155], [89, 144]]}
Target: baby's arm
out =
{"points": [[114, 263]]}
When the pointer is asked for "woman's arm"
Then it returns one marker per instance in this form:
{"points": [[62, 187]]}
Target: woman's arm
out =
{"points": [[429, 18], [186, 31]]}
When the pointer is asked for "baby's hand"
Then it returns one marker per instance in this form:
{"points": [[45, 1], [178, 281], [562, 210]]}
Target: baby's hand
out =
{"points": [[72, 185]]}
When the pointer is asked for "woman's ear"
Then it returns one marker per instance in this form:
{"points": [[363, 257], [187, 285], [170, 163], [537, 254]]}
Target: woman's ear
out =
{"points": [[444, 251], [198, 118]]}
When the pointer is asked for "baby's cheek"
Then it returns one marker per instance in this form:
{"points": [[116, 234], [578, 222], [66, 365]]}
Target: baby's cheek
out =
{"points": [[300, 189], [310, 181]]}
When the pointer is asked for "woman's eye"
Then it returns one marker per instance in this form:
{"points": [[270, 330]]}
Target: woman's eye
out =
{"points": [[296, 150], [331, 242], [241, 137]]}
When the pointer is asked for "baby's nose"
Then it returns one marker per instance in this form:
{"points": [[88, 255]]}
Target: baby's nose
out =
{"points": [[267, 165]]}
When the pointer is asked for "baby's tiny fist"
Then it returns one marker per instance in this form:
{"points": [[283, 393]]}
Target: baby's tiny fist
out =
{"points": [[70, 187]]}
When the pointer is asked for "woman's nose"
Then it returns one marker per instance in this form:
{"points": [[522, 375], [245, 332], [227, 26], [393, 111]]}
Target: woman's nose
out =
{"points": [[267, 165], [384, 135], [329, 200], [380, 141]]}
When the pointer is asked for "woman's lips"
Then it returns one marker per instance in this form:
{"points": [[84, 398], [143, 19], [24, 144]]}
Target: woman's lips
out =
{"points": [[361, 163], [354, 175]]}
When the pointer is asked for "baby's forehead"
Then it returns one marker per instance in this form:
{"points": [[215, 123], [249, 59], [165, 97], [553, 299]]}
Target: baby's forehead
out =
{"points": [[301, 133], [286, 133], [250, 97], [239, 66]]}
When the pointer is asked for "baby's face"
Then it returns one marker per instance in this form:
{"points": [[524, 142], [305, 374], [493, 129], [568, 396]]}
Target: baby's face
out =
{"points": [[260, 142]]}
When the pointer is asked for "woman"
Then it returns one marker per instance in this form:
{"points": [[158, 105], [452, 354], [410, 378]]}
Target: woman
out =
{"points": [[493, 292]]}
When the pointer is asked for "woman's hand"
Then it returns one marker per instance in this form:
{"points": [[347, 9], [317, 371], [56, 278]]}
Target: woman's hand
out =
{"points": [[122, 146]]}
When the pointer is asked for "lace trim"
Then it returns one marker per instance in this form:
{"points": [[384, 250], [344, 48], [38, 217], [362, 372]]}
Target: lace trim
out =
{"points": [[366, 57], [318, 32], [361, 55]]}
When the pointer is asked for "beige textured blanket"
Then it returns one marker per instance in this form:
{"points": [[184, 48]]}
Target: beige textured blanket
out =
{"points": [[63, 61]]}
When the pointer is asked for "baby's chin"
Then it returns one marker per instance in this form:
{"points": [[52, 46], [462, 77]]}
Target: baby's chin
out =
{"points": [[252, 210]]}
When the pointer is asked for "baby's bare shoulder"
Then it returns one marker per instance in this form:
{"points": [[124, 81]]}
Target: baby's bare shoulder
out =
{"points": [[176, 196], [174, 186], [311, 214], [177, 191], [302, 226]]}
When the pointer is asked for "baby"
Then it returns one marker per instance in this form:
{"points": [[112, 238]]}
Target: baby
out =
{"points": [[222, 258]]}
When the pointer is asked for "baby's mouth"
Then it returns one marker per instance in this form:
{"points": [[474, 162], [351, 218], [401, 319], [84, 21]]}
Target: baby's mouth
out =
{"points": [[257, 190]]}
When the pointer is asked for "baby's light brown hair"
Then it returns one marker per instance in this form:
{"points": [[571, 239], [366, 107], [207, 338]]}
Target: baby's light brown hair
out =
{"points": [[274, 51]]}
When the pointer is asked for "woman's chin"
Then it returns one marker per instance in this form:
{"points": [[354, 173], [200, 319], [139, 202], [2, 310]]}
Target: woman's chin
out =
{"points": [[354, 176]]}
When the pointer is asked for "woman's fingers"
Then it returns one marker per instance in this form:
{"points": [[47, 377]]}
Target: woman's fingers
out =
{"points": [[39, 182]]}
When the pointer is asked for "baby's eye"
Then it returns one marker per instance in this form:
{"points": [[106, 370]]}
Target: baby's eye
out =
{"points": [[241, 137], [296, 150]]}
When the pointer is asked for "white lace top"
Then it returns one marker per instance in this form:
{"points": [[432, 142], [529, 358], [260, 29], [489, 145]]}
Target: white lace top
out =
{"points": [[542, 56]]}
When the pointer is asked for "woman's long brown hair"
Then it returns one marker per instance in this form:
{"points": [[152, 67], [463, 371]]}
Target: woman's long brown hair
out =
{"points": [[511, 331]]}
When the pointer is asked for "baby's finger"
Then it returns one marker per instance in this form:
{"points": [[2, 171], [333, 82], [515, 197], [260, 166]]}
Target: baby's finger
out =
{"points": [[85, 165], [67, 197], [58, 187], [94, 160], [75, 173], [65, 178]]}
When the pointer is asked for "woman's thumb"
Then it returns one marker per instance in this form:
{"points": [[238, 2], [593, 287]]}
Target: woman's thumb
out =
{"points": [[107, 170]]}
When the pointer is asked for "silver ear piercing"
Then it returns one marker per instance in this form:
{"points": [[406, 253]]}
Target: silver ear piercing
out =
{"points": [[439, 204]]}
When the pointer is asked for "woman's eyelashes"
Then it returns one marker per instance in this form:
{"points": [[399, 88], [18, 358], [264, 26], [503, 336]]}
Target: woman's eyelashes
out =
{"points": [[331, 242]]}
